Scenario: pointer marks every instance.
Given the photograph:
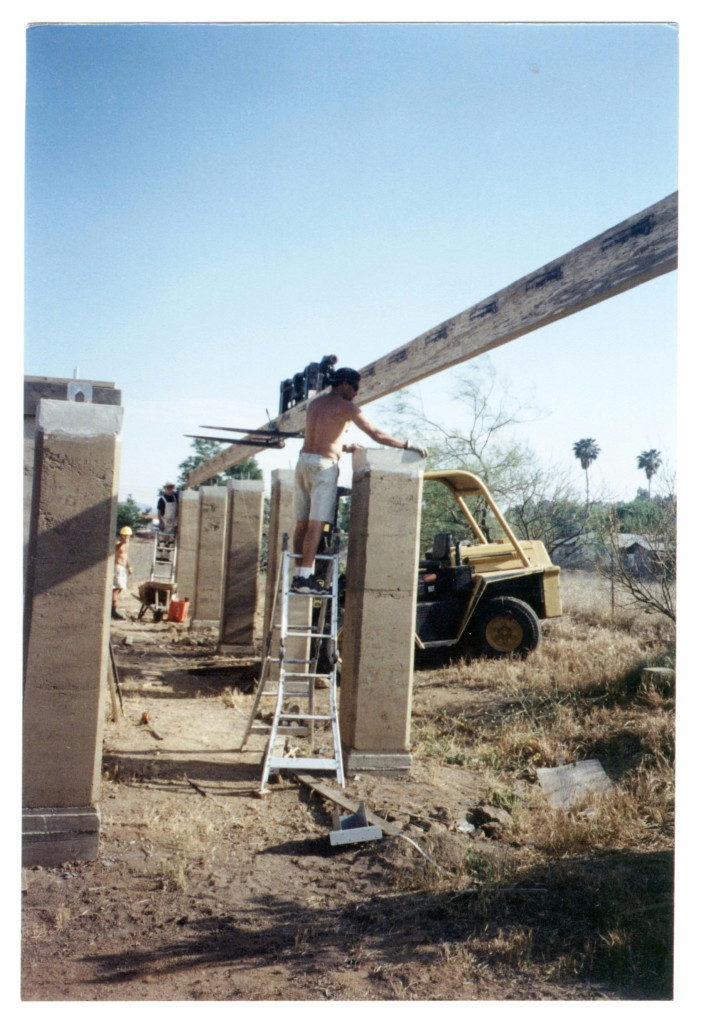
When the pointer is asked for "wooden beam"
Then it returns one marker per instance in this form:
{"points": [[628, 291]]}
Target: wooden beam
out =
{"points": [[637, 250]]}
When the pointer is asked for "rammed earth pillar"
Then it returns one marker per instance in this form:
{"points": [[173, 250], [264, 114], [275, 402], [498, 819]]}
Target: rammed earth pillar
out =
{"points": [[283, 521], [380, 610], [68, 600], [243, 562], [211, 556], [188, 547]]}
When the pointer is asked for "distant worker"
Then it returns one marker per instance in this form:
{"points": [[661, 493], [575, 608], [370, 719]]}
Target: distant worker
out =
{"points": [[122, 568], [316, 475], [168, 510]]}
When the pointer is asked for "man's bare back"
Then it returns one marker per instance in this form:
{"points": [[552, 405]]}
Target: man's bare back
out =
{"points": [[121, 553], [327, 420]]}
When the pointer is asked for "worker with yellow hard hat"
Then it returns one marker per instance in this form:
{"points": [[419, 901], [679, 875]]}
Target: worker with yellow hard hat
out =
{"points": [[122, 567]]}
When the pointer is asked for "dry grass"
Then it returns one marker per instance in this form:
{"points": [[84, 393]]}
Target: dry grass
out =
{"points": [[580, 696]]}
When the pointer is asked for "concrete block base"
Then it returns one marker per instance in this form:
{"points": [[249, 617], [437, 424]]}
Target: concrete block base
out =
{"points": [[376, 762], [57, 835], [238, 650]]}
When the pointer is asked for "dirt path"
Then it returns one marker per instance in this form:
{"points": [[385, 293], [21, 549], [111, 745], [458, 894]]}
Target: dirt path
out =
{"points": [[204, 891]]}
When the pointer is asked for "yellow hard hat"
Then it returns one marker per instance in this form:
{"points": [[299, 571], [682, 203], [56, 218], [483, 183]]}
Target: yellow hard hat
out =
{"points": [[126, 531]]}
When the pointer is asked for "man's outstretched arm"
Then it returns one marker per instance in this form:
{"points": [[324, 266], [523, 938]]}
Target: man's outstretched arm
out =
{"points": [[381, 437]]}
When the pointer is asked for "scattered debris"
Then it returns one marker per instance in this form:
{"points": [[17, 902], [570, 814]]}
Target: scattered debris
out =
{"points": [[491, 821], [208, 796], [570, 784], [388, 827], [146, 720]]}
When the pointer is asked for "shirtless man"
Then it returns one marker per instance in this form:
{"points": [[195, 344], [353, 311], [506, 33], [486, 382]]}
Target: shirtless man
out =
{"points": [[122, 568], [316, 475]]}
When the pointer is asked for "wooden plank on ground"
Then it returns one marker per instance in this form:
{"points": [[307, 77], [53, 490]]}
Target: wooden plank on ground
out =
{"points": [[637, 250], [570, 784], [338, 798]]}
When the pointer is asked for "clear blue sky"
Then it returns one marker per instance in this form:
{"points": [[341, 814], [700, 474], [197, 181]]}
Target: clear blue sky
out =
{"points": [[210, 207]]}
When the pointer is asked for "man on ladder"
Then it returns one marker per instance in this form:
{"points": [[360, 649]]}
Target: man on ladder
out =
{"points": [[316, 475], [167, 508]]}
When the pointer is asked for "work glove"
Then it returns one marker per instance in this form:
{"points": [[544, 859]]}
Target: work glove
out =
{"points": [[415, 448]]}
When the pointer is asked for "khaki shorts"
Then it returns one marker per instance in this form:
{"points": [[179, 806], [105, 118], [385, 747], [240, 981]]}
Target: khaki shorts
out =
{"points": [[316, 480], [120, 578]]}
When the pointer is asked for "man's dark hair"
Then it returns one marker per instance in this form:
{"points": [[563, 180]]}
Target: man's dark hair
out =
{"points": [[344, 373]]}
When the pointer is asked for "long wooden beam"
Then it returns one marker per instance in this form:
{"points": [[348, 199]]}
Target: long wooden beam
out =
{"points": [[637, 250]]}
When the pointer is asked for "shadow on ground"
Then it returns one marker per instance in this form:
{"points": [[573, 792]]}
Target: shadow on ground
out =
{"points": [[615, 934]]}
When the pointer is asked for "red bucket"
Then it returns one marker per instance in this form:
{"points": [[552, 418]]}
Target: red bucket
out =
{"points": [[178, 611]]}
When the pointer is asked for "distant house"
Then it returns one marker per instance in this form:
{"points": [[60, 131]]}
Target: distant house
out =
{"points": [[637, 550]]}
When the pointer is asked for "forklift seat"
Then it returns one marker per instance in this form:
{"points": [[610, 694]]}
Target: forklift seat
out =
{"points": [[439, 555]]}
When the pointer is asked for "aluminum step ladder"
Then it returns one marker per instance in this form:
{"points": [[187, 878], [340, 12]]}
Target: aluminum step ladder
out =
{"points": [[165, 553], [295, 683]]}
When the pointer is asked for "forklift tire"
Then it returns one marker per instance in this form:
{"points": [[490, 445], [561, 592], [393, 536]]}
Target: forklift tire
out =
{"points": [[507, 626]]}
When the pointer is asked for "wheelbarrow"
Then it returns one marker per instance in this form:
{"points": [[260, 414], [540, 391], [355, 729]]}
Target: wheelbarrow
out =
{"points": [[156, 595]]}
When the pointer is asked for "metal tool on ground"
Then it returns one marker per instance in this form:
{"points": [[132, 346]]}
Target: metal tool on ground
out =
{"points": [[114, 685], [295, 683], [353, 828]]}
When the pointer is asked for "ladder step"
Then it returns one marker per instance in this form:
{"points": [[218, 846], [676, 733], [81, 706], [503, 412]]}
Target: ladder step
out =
{"points": [[293, 661], [294, 593], [320, 763], [306, 675]]}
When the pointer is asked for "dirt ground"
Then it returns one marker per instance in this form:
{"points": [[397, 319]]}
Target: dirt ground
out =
{"points": [[204, 891]]}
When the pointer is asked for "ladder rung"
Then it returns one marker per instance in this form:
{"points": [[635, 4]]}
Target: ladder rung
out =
{"points": [[306, 718], [310, 636]]}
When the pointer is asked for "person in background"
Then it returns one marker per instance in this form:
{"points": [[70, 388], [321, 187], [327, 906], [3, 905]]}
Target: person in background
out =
{"points": [[122, 568], [167, 508]]}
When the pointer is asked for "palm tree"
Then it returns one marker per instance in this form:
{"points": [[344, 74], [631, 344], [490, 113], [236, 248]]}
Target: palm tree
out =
{"points": [[650, 461], [586, 450]]}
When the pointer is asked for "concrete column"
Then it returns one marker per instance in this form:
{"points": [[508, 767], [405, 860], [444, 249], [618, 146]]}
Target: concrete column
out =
{"points": [[68, 587], [211, 555], [380, 610], [58, 389], [243, 562], [188, 548]]}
